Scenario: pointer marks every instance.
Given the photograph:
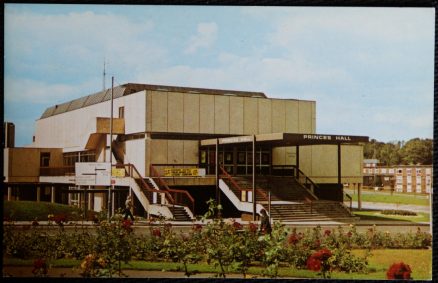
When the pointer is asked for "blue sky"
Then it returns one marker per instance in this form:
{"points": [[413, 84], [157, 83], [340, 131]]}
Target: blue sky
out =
{"points": [[370, 70]]}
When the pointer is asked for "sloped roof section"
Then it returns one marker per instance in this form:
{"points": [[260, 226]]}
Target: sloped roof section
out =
{"points": [[131, 88]]}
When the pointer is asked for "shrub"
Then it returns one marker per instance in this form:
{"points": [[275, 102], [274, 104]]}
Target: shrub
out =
{"points": [[398, 212], [399, 271]]}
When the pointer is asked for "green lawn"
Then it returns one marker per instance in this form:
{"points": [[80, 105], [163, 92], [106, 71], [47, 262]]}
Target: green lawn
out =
{"points": [[387, 198], [376, 215], [29, 210], [420, 262]]}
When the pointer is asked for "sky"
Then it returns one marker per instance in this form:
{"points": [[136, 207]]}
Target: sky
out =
{"points": [[370, 70]]}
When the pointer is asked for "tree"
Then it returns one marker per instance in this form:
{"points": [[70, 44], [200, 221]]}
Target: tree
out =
{"points": [[417, 151]]}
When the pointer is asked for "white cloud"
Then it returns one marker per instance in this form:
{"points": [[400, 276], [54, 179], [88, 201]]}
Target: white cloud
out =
{"points": [[39, 92], [384, 24], [205, 37], [77, 41]]}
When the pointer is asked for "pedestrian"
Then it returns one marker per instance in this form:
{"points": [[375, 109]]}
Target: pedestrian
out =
{"points": [[265, 224], [128, 207]]}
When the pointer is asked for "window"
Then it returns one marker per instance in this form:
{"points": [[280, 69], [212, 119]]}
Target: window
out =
{"points": [[70, 158], [122, 112], [44, 159]]}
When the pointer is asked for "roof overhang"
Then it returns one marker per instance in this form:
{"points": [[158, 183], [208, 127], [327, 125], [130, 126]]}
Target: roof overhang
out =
{"points": [[288, 139]]}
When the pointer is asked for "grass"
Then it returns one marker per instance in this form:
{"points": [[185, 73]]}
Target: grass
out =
{"points": [[395, 198], [420, 262], [376, 215], [29, 210]]}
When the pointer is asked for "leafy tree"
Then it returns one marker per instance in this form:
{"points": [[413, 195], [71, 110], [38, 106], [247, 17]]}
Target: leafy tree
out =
{"points": [[417, 151]]}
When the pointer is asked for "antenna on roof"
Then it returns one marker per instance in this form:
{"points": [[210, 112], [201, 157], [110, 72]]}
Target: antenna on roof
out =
{"points": [[104, 73]]}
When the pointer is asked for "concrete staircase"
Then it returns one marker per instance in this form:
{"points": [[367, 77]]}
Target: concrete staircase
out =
{"points": [[317, 210]]}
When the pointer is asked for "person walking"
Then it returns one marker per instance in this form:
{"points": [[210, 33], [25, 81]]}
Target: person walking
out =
{"points": [[265, 224], [128, 207]]}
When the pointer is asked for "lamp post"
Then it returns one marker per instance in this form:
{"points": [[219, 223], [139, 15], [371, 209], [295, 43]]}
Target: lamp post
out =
{"points": [[111, 152]]}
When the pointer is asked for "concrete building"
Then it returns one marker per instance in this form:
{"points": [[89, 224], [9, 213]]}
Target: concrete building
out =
{"points": [[176, 147]]}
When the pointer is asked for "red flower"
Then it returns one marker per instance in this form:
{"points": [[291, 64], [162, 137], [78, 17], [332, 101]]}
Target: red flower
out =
{"points": [[317, 243], [349, 234], [293, 239], [156, 232], [313, 263], [252, 227], [40, 267], [399, 271], [126, 224], [237, 225], [327, 232], [197, 227]]}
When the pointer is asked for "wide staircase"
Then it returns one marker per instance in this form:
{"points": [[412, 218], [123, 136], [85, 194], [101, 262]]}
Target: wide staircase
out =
{"points": [[291, 198]]}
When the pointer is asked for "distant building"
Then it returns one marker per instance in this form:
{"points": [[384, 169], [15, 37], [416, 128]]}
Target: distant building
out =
{"points": [[400, 178]]}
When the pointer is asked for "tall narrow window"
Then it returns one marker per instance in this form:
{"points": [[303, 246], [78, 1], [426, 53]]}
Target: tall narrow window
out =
{"points": [[44, 159], [122, 112]]}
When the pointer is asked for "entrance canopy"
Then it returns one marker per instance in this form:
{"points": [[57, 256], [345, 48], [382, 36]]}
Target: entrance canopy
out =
{"points": [[288, 139]]}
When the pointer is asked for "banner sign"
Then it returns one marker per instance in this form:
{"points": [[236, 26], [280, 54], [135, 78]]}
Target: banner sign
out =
{"points": [[184, 172], [118, 172], [92, 173]]}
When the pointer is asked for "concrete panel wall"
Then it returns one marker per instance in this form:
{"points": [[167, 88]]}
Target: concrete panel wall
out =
{"points": [[292, 117], [159, 150], [175, 152], [250, 116], [320, 163], [191, 152], [264, 116], [191, 113], [206, 103], [352, 163], [305, 117], [279, 156], [175, 105], [159, 111], [221, 114], [236, 115], [278, 116]]}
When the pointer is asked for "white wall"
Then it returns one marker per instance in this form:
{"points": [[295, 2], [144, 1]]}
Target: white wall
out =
{"points": [[136, 154], [71, 130]]}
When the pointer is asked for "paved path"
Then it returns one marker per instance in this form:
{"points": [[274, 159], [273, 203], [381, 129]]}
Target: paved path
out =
{"points": [[381, 206]]}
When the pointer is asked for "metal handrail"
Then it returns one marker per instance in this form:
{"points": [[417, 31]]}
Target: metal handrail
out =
{"points": [[133, 169], [235, 185], [307, 180], [176, 191], [350, 199]]}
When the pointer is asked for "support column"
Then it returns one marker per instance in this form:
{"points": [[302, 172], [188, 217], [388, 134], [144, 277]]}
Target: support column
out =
{"points": [[9, 193], [216, 171], [297, 160], [253, 179], [52, 194], [359, 201], [38, 194], [339, 164]]}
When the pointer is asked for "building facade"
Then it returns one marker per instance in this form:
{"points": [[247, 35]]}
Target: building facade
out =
{"points": [[164, 132]]}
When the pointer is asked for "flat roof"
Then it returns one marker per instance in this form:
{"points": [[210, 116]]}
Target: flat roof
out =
{"points": [[129, 88], [289, 139]]}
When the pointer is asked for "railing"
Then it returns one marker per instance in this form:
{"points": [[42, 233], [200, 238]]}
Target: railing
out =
{"points": [[181, 197], [305, 181], [148, 191], [57, 171], [237, 187], [350, 201]]}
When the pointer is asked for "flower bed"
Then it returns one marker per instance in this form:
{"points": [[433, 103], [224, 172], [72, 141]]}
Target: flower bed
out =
{"points": [[227, 245]]}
